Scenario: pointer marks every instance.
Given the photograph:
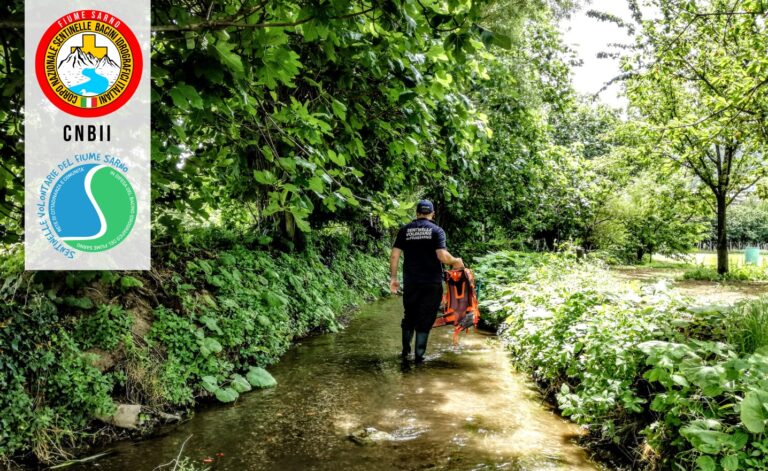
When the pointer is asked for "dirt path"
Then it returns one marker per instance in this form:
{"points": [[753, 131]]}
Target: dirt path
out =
{"points": [[704, 292]]}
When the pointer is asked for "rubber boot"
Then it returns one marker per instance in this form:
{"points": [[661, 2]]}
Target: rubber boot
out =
{"points": [[407, 337], [421, 346]]}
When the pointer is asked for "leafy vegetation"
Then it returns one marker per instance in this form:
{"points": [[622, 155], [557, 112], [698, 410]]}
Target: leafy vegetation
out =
{"points": [[283, 116], [699, 102], [747, 223], [740, 273], [650, 217], [290, 138], [671, 385], [212, 324], [746, 327]]}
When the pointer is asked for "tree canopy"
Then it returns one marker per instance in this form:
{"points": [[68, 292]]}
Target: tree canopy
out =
{"points": [[278, 118]]}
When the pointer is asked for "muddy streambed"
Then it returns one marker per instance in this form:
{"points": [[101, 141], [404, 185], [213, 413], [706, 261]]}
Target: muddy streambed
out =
{"points": [[464, 409]]}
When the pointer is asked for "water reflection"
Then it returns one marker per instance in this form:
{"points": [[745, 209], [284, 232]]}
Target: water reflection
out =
{"points": [[464, 409]]}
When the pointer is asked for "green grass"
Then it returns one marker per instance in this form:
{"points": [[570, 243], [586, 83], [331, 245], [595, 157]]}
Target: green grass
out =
{"points": [[704, 259], [735, 259], [735, 273], [669, 264], [747, 327]]}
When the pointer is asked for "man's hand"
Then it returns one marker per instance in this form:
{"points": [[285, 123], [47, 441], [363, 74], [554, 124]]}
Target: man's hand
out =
{"points": [[394, 286], [447, 259]]}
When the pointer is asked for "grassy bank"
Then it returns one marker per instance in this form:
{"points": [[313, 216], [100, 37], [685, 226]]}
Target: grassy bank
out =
{"points": [[736, 258], [703, 266], [72, 345], [672, 387]]}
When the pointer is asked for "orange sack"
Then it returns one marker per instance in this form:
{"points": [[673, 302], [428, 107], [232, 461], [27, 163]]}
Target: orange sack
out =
{"points": [[459, 302]]}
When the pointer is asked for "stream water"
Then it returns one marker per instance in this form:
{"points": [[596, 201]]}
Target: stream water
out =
{"points": [[464, 409]]}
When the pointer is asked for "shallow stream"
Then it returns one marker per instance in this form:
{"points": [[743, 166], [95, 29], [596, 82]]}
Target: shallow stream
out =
{"points": [[464, 409]]}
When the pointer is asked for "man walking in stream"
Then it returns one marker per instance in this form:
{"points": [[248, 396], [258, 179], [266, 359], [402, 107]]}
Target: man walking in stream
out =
{"points": [[423, 244]]}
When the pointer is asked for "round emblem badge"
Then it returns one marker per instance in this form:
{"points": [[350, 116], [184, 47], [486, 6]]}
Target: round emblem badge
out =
{"points": [[88, 63], [92, 208]]}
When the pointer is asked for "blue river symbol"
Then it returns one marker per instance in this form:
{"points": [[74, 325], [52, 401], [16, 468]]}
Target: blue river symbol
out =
{"points": [[95, 85]]}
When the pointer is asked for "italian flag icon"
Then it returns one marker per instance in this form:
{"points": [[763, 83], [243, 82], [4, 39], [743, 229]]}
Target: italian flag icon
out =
{"points": [[88, 102]]}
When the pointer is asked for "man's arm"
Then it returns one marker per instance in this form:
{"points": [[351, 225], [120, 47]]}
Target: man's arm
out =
{"points": [[442, 252], [394, 261], [447, 259]]}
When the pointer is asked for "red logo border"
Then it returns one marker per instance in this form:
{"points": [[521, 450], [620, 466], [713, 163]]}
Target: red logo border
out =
{"points": [[138, 62]]}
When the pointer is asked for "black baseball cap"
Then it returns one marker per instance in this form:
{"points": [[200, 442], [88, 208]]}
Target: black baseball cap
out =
{"points": [[425, 207]]}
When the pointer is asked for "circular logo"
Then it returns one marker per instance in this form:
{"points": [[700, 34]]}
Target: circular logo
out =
{"points": [[92, 208], [88, 63]]}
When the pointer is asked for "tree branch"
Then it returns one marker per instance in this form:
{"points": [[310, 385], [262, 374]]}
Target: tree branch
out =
{"points": [[218, 24], [742, 190]]}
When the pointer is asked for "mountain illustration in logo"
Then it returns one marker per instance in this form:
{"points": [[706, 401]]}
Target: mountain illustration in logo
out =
{"points": [[88, 70], [92, 208]]}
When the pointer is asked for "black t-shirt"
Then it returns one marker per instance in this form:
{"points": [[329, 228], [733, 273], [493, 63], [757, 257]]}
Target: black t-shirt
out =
{"points": [[419, 241]]}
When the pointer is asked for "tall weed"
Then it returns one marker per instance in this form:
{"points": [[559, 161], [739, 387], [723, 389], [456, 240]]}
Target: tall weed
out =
{"points": [[747, 326]]}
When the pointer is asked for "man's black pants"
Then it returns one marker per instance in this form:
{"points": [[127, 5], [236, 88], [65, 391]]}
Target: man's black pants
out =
{"points": [[421, 302]]}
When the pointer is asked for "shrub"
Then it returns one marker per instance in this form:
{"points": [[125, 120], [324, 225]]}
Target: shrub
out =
{"points": [[49, 391], [218, 314], [103, 329], [746, 326], [741, 273], [635, 364]]}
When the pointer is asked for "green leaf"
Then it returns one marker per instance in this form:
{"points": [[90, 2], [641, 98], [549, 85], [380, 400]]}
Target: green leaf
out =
{"points": [[268, 154], [338, 159], [753, 413], [289, 165], [212, 324], [302, 224], [179, 100], [191, 95], [411, 146], [679, 380], [489, 37], [226, 394], [339, 109], [209, 345], [730, 463], [265, 177], [81, 303], [128, 282], [705, 436], [280, 65], [273, 300], [210, 383], [229, 58], [240, 384], [316, 184], [260, 378], [709, 378], [705, 463]]}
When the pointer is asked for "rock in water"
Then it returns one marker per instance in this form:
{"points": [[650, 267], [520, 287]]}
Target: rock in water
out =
{"points": [[126, 416], [369, 436]]}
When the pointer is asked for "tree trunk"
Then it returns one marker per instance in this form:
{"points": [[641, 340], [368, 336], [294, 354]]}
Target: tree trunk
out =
{"points": [[549, 240], [722, 236], [640, 254]]}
